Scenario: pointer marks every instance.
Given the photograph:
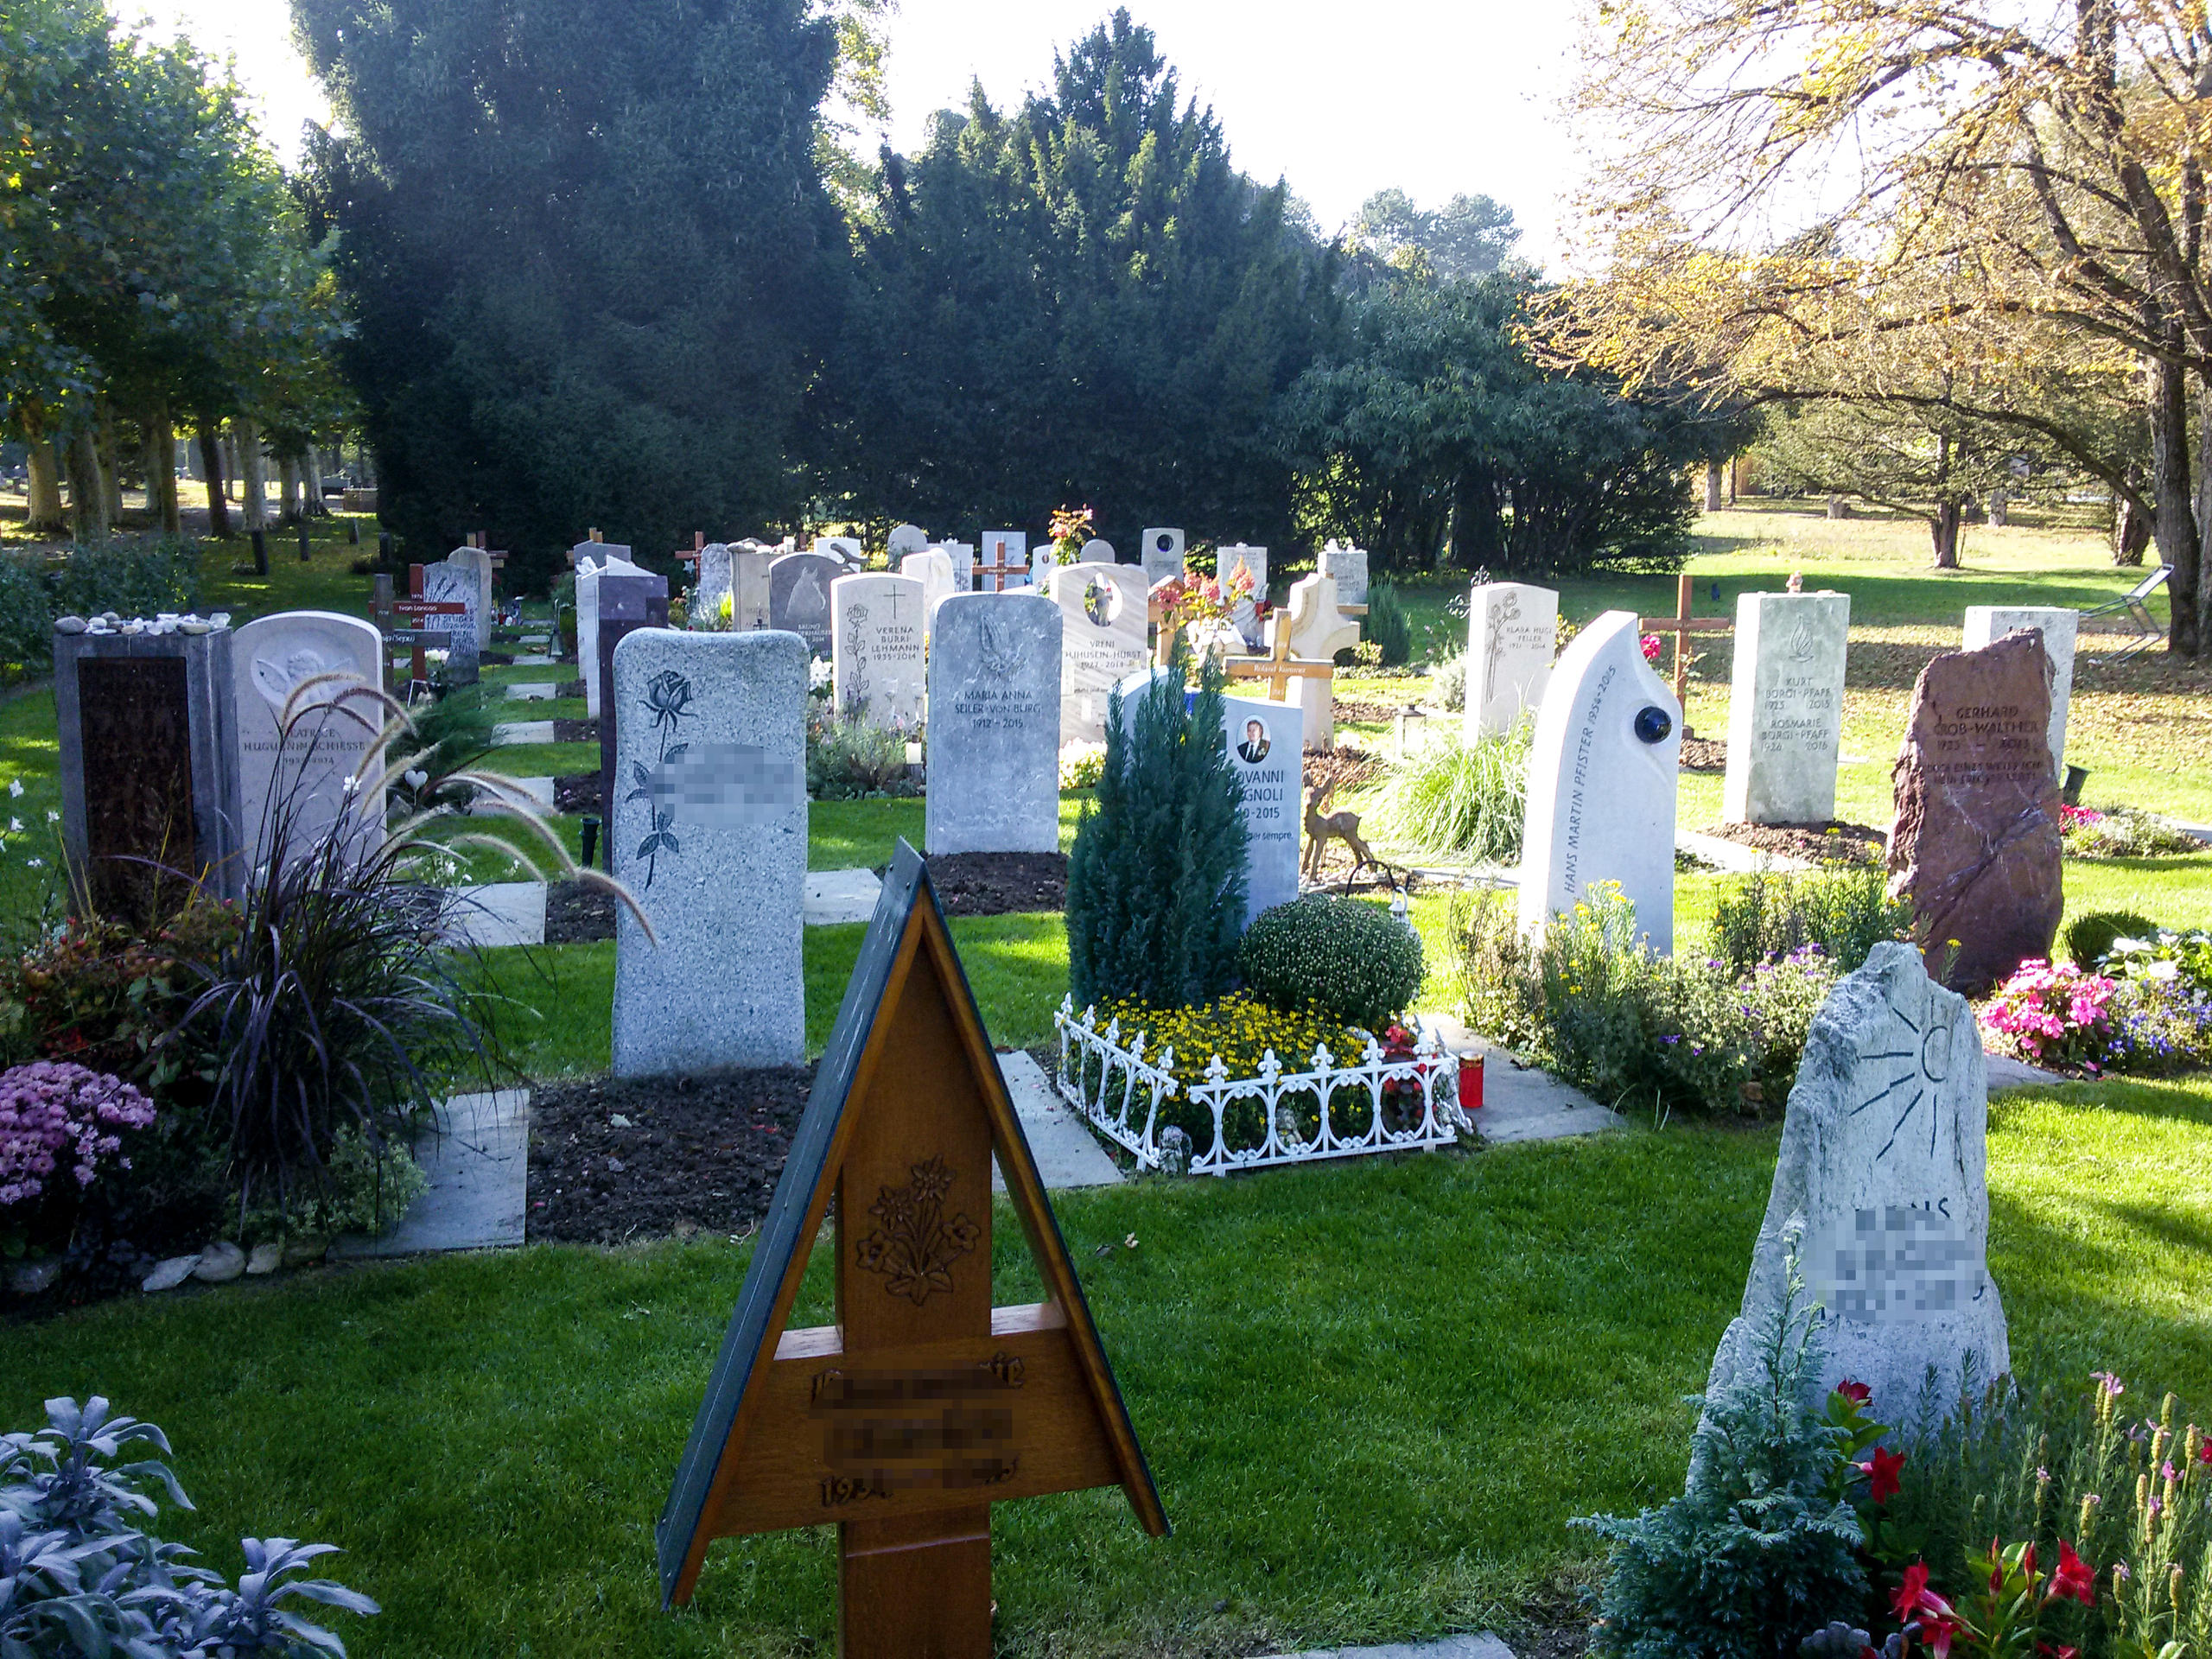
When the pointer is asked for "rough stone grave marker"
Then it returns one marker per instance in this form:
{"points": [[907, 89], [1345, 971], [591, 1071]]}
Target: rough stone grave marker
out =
{"points": [[1245, 613], [923, 1405], [1882, 1187], [1349, 566], [1975, 845], [1785, 708], [906, 538], [1988, 623], [1162, 554], [708, 831], [1319, 630], [798, 597], [994, 726], [148, 760], [1512, 631], [877, 659], [1602, 777], [1104, 641], [1265, 751], [304, 771]]}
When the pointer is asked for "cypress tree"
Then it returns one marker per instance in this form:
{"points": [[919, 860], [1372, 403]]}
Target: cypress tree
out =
{"points": [[1156, 881]]}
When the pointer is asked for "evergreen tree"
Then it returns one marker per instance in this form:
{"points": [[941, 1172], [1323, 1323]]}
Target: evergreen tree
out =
{"points": [[590, 257], [1156, 882]]}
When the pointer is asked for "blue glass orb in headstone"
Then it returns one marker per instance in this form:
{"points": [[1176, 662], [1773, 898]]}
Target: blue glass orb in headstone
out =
{"points": [[1653, 723]]}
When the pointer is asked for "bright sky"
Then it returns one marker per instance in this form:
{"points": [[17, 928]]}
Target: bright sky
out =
{"points": [[1436, 96]]}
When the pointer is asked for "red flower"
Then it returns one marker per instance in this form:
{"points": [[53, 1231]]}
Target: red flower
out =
{"points": [[2050, 1652], [1906, 1600], [1881, 1476], [2204, 1451], [2075, 1578], [1859, 1394]]}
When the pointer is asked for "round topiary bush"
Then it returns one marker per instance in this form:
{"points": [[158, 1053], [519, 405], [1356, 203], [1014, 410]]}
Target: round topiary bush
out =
{"points": [[1338, 956], [2089, 939]]}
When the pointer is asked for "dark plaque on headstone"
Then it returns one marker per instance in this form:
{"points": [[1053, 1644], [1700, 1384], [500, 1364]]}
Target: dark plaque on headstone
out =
{"points": [[626, 604], [138, 822]]}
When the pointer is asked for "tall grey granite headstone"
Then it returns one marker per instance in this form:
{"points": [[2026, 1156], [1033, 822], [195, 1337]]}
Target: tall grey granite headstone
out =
{"points": [[798, 597], [708, 830], [149, 761], [1882, 1188], [594, 560], [1512, 631], [450, 582], [713, 590], [876, 657], [1266, 753], [1785, 708], [1988, 623], [309, 770], [478, 564], [994, 726], [1161, 555], [1602, 776], [1104, 640], [1349, 566], [1245, 612]]}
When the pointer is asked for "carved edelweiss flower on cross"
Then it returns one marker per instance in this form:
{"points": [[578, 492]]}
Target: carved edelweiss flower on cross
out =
{"points": [[915, 1245]]}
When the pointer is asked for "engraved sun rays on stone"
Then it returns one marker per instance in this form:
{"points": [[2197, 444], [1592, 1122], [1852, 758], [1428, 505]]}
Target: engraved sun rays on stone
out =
{"points": [[915, 1245], [1922, 1060]]}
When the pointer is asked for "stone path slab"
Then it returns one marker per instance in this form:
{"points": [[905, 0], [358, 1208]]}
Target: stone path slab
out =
{"points": [[533, 659], [1479, 1645], [1734, 856], [532, 691], [1521, 1103], [539, 789], [522, 731], [2005, 1072], [478, 1166], [498, 914], [1066, 1151], [840, 896]]}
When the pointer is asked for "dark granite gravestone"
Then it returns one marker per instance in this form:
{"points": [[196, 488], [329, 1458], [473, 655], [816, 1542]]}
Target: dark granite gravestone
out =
{"points": [[149, 768], [626, 603]]}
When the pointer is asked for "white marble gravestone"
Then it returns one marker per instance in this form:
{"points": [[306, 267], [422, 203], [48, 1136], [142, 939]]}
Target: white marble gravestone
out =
{"points": [[1512, 631], [798, 597], [1104, 639], [1601, 783], [1162, 554], [1785, 708], [994, 726], [932, 567], [1318, 632], [1245, 612], [708, 831], [1265, 751], [478, 564], [594, 560], [313, 775], [1349, 566], [876, 655], [905, 539], [712, 589], [1882, 1188], [1988, 623], [962, 555], [1096, 550], [1007, 547]]}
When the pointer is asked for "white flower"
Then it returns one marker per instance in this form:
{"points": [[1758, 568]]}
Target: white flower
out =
{"points": [[52, 817], [14, 826], [16, 788], [2163, 970], [36, 863], [817, 672]]}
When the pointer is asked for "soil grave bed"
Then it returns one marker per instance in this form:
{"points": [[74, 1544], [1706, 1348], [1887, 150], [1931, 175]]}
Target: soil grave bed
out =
{"points": [[575, 731], [578, 913], [1343, 768], [686, 1154], [999, 883], [576, 792], [1704, 754], [1832, 843]]}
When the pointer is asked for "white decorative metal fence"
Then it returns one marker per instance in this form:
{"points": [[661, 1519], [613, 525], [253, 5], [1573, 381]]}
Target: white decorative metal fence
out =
{"points": [[1380, 1104]]}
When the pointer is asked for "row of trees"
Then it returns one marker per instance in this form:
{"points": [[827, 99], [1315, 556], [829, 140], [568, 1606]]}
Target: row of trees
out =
{"points": [[1957, 242], [156, 271], [609, 266]]}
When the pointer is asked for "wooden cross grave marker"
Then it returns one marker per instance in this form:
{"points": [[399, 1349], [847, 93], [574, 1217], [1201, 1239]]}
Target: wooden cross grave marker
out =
{"points": [[1279, 668], [1682, 625], [691, 555], [923, 1405], [416, 607], [1000, 570]]}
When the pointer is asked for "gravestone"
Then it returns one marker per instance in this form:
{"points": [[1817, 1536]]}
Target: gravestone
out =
{"points": [[1602, 775], [1043, 562], [846, 549], [308, 770], [708, 833], [876, 658], [149, 762], [905, 539], [1007, 547], [1882, 1186], [1104, 639], [1988, 623], [798, 597], [626, 603], [594, 560], [932, 567], [1245, 612], [1318, 632], [1162, 554], [1785, 708], [478, 564], [748, 585], [923, 1405], [994, 726], [1976, 846], [1096, 550], [1349, 566], [712, 589], [962, 555], [452, 582], [1264, 751], [1512, 631]]}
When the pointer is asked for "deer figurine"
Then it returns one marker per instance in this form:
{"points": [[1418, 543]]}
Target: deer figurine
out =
{"points": [[1343, 826]]}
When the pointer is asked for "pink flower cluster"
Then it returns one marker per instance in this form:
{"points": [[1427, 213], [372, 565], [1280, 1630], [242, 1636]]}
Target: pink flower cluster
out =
{"points": [[1653, 647], [2054, 1013], [2071, 817], [57, 1112]]}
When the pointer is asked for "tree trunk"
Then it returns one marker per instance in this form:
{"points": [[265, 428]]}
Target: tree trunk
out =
{"points": [[1943, 530], [88, 520], [314, 505], [46, 509], [110, 463], [211, 465], [2131, 533], [287, 490], [1713, 500], [253, 477], [2173, 525], [161, 472], [1839, 507], [1998, 505]]}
